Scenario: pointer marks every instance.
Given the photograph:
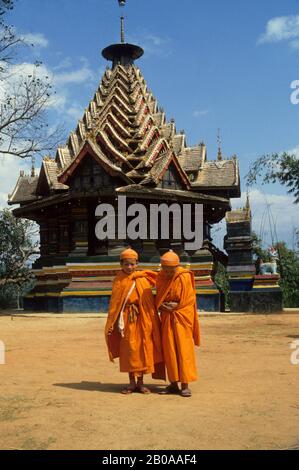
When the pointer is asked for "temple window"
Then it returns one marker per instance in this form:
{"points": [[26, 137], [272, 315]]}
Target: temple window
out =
{"points": [[170, 179], [90, 175]]}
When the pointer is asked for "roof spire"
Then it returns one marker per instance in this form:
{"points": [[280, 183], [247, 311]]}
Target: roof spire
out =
{"points": [[122, 29], [122, 3], [123, 53], [219, 156], [32, 166], [247, 207]]}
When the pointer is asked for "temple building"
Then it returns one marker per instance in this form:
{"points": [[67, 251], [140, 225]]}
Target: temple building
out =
{"points": [[123, 145]]}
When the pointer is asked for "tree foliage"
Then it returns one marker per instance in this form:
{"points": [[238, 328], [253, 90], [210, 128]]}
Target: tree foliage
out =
{"points": [[277, 167], [24, 98], [288, 268], [222, 282], [4, 6], [17, 247]]}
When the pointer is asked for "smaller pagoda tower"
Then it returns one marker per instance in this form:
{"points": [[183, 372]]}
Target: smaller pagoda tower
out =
{"points": [[249, 292]]}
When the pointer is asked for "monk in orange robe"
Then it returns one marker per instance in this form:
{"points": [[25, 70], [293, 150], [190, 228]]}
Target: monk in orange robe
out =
{"points": [[176, 301], [133, 328]]}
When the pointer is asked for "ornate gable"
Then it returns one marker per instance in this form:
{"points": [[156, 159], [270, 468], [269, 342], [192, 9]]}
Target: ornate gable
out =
{"points": [[171, 178], [90, 176]]}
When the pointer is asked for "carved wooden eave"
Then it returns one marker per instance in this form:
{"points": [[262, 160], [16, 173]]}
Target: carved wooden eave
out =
{"points": [[139, 190]]}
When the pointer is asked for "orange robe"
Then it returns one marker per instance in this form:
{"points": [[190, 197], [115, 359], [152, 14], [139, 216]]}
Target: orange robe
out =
{"points": [[140, 349], [180, 327]]}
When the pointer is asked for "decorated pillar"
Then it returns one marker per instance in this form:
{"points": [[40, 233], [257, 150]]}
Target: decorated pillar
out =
{"points": [[79, 234]]}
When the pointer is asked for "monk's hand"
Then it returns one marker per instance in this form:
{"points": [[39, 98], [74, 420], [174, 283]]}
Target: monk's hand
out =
{"points": [[170, 305], [122, 332], [110, 331]]}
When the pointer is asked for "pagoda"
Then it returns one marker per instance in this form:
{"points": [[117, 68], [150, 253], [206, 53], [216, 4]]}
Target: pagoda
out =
{"points": [[123, 145]]}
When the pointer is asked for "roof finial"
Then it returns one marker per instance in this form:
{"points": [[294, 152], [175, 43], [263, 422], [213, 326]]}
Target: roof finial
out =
{"points": [[247, 208], [122, 22], [32, 166], [219, 156], [122, 53], [122, 29]]}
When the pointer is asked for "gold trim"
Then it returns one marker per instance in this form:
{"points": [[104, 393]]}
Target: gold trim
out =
{"points": [[209, 292], [267, 286], [246, 276]]}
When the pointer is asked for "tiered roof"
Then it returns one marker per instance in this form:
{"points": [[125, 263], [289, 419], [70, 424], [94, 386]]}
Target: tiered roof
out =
{"points": [[128, 135]]}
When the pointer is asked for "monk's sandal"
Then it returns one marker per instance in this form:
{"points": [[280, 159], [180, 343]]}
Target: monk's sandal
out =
{"points": [[186, 392], [170, 390]]}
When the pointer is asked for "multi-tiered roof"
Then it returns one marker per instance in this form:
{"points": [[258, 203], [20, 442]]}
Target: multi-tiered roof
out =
{"points": [[126, 132]]}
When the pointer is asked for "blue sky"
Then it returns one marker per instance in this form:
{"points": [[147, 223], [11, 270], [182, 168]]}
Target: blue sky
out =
{"points": [[211, 65]]}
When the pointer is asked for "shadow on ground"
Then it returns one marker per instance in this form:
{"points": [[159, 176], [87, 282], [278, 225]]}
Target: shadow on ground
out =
{"points": [[101, 387]]}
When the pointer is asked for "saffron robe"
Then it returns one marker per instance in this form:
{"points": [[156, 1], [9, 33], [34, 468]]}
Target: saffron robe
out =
{"points": [[180, 327], [140, 348]]}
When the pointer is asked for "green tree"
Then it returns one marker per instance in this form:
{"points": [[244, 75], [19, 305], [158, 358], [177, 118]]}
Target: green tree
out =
{"points": [[277, 167], [222, 282], [288, 268], [17, 249]]}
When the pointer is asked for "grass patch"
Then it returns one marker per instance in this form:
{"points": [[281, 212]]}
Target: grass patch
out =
{"points": [[12, 407], [32, 444]]}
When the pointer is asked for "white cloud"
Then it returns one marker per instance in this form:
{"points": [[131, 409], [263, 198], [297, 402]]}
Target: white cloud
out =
{"points": [[281, 28], [35, 39], [275, 209], [157, 40], [64, 64], [75, 112], [152, 44], [76, 76], [294, 151], [60, 101], [26, 68], [198, 113], [10, 167], [294, 44]]}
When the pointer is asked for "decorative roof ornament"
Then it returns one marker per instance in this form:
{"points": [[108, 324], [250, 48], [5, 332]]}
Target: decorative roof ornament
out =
{"points": [[247, 207], [122, 3], [219, 156], [32, 167], [123, 53], [122, 30]]}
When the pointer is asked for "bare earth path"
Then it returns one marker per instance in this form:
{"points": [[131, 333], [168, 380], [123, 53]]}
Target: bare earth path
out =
{"points": [[59, 391]]}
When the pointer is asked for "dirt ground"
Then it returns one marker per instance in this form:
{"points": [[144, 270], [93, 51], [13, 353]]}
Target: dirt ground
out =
{"points": [[59, 391]]}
